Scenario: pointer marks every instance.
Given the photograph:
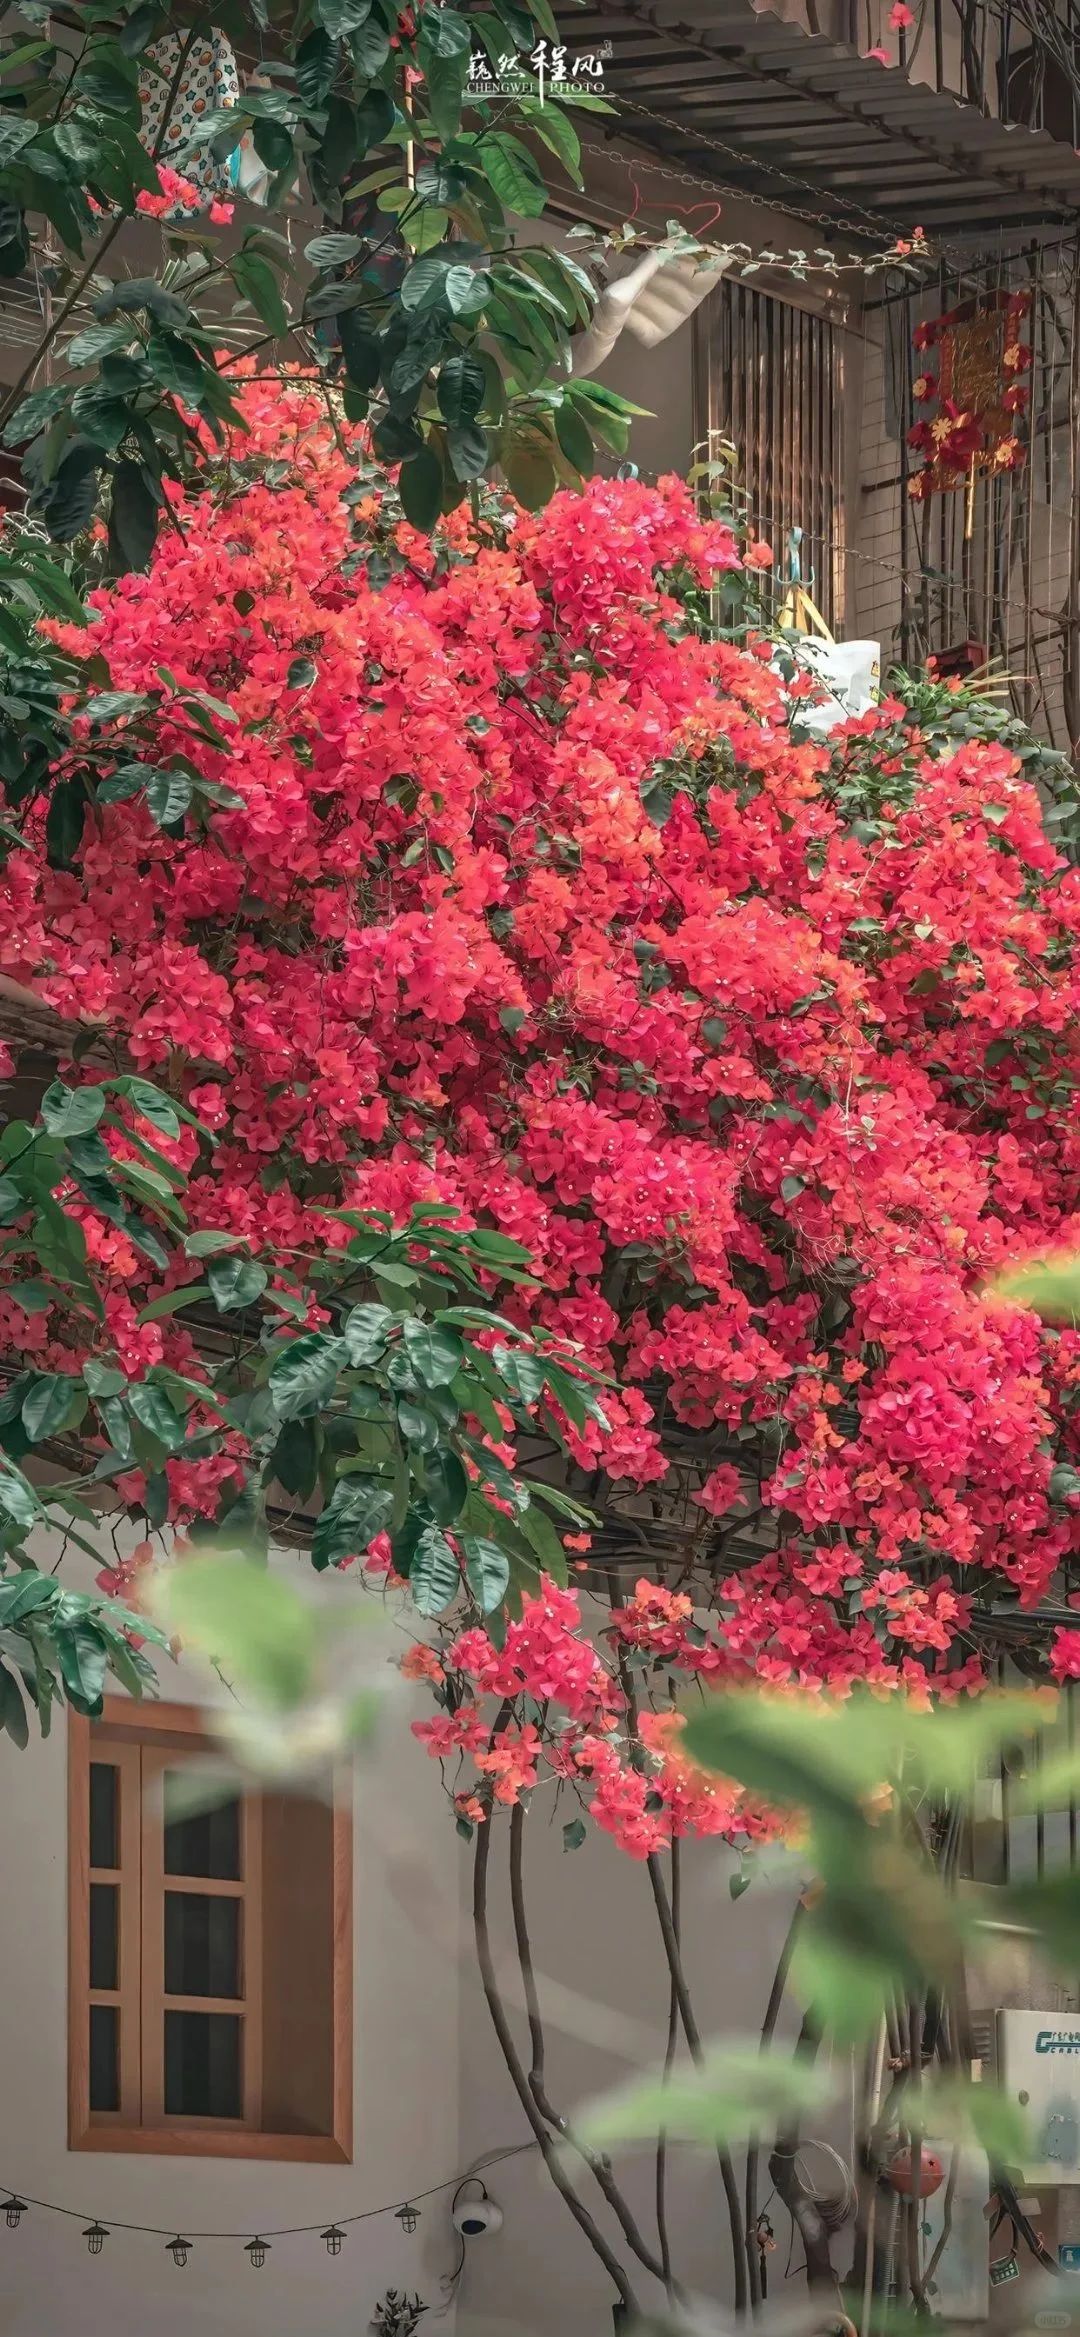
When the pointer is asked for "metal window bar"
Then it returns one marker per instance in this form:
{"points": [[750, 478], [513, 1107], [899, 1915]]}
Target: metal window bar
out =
{"points": [[770, 379]]}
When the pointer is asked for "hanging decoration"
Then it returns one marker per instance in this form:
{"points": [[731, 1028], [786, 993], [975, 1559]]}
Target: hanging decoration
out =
{"points": [[978, 392], [209, 83], [256, 2248]]}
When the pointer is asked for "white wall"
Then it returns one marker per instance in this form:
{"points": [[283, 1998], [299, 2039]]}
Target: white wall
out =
{"points": [[405, 2105]]}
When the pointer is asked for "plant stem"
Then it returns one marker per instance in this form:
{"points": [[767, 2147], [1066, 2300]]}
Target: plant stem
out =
{"points": [[753, 2148], [693, 2038], [805, 2215], [536, 2082], [669, 2058], [501, 2025]]}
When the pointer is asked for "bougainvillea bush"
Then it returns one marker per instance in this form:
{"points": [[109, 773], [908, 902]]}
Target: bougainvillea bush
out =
{"points": [[524, 898]]}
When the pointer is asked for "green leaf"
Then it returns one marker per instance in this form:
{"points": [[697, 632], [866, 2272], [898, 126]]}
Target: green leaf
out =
{"points": [[365, 1331], [16, 132], [359, 1509], [575, 441], [210, 1244], [151, 1104], [71, 1111], [730, 2096], [168, 797], [48, 1405], [487, 1570], [35, 412], [13, 1710], [304, 1375], [339, 17], [235, 1282], [951, 2109], [513, 173], [434, 1573], [83, 1665], [295, 1458], [255, 280], [1051, 1286], [156, 1414], [573, 1833], [446, 1485], [469, 451], [370, 45], [18, 1499], [420, 485], [177, 366], [849, 1992], [251, 1622], [133, 520], [460, 387], [435, 1352]]}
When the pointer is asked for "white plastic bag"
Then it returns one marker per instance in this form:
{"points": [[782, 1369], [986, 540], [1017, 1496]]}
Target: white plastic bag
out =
{"points": [[849, 670]]}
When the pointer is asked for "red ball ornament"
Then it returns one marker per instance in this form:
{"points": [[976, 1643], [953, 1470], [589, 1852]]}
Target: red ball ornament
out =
{"points": [[901, 2173]]}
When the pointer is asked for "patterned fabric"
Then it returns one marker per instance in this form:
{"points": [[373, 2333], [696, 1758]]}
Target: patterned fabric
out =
{"points": [[209, 80]]}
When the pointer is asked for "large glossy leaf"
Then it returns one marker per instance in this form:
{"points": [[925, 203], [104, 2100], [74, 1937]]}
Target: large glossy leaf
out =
{"points": [[434, 1574], [304, 1374], [435, 1352], [359, 1509]]}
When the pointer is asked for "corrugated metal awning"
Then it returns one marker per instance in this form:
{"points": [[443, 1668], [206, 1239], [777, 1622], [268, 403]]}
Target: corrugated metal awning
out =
{"points": [[808, 125]]}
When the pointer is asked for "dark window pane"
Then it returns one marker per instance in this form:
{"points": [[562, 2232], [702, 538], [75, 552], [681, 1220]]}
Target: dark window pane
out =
{"points": [[104, 2057], [104, 1910], [104, 1813], [207, 1842], [202, 2065], [202, 1945]]}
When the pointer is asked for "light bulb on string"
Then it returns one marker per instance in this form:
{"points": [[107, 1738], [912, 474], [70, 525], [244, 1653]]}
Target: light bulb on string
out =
{"points": [[179, 2249], [407, 2216], [14, 2210], [333, 2238], [256, 2251], [95, 2236]]}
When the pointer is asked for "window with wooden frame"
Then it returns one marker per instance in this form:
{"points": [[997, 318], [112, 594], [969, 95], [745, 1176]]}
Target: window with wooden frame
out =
{"points": [[210, 1983]]}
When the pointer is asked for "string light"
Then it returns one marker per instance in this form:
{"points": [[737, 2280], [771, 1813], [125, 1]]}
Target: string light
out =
{"points": [[179, 2247]]}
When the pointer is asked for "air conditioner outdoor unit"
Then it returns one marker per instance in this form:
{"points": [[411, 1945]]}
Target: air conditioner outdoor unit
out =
{"points": [[1035, 2058]]}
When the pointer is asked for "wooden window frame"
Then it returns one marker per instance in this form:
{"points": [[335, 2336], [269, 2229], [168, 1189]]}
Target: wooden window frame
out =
{"points": [[166, 1730]]}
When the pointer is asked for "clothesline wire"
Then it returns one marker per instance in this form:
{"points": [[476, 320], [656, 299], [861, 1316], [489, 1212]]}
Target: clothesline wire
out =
{"points": [[159, 2231]]}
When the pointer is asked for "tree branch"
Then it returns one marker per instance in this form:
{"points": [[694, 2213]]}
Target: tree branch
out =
{"points": [[802, 2209], [669, 2058], [693, 2039], [536, 2083], [510, 2055], [753, 2148]]}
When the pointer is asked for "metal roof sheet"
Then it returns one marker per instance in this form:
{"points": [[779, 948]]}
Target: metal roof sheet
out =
{"points": [[805, 123]]}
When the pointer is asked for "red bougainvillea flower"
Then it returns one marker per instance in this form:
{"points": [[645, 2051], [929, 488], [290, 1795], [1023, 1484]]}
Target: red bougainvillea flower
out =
{"points": [[535, 906]]}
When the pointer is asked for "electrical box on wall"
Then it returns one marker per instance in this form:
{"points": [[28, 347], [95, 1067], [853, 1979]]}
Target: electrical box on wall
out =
{"points": [[1038, 2065]]}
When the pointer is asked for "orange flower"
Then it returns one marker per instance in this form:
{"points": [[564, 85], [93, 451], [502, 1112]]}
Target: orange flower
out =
{"points": [[421, 1663]]}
